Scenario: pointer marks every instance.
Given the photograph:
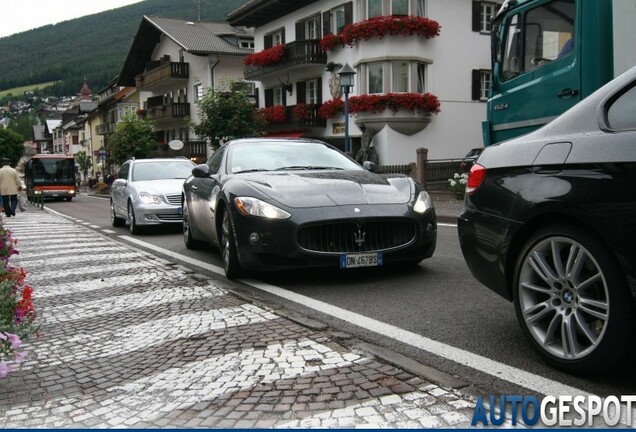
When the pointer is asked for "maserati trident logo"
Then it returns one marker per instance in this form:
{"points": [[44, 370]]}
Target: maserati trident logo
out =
{"points": [[359, 238]]}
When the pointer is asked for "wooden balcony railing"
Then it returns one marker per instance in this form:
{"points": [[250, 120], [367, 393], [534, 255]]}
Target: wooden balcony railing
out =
{"points": [[174, 110], [163, 73], [293, 122], [105, 128], [193, 150], [297, 53]]}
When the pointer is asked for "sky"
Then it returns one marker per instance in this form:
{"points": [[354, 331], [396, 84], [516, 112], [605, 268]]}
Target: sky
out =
{"points": [[22, 15]]}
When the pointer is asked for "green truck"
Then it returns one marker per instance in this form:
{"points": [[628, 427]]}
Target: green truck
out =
{"points": [[547, 55]]}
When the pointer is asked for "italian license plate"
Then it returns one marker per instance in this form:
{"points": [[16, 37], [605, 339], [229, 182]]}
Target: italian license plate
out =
{"points": [[180, 210], [360, 260]]}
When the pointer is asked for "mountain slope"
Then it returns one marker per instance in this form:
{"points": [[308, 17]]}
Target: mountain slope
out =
{"points": [[92, 47]]}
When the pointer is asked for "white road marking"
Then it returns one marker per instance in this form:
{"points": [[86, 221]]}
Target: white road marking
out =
{"points": [[491, 367], [446, 224], [183, 258], [108, 231]]}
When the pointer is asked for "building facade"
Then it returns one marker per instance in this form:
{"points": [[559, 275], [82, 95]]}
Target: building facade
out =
{"points": [[396, 47], [173, 63]]}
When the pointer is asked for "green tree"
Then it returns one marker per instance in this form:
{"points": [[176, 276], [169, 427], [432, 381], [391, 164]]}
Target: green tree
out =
{"points": [[11, 145], [227, 115], [133, 138], [23, 125], [84, 162]]}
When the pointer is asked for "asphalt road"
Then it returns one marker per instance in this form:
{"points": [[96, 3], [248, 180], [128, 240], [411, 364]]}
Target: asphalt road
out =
{"points": [[411, 311]]}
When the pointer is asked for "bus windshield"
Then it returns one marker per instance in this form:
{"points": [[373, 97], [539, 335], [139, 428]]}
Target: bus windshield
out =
{"points": [[52, 171]]}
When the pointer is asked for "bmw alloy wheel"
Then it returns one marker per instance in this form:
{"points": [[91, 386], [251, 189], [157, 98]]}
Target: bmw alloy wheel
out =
{"points": [[572, 300]]}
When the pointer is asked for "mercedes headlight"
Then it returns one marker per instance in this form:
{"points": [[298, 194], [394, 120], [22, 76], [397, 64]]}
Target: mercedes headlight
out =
{"points": [[255, 207], [147, 198]]}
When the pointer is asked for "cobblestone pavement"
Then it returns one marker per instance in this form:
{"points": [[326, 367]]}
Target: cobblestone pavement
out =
{"points": [[127, 340]]}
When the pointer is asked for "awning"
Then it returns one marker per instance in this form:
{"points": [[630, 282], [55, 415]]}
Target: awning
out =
{"points": [[284, 134]]}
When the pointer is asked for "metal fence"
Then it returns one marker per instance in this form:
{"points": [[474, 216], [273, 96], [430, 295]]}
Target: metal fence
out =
{"points": [[437, 171], [408, 169]]}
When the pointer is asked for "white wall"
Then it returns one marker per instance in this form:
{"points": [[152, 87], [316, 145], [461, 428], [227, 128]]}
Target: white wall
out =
{"points": [[451, 57]]}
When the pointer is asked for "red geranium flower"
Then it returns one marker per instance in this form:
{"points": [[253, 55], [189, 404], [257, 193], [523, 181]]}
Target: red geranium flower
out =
{"points": [[265, 57], [380, 26], [331, 108], [274, 114]]}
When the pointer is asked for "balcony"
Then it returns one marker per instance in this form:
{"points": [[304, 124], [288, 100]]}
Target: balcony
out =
{"points": [[294, 122], [163, 76], [193, 150], [168, 111], [297, 55], [105, 129]]}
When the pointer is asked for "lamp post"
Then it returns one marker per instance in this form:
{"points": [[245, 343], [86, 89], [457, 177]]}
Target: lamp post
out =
{"points": [[346, 75]]}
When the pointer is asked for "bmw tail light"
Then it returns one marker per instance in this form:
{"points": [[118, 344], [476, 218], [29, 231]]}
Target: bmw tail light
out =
{"points": [[475, 178]]}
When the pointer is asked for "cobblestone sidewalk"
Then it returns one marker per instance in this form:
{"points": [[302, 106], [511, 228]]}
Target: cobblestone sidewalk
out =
{"points": [[128, 341]]}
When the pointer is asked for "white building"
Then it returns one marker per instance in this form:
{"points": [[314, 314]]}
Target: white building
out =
{"points": [[454, 66], [173, 63]]}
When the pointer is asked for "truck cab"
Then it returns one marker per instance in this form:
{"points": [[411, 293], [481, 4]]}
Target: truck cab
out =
{"points": [[547, 55]]}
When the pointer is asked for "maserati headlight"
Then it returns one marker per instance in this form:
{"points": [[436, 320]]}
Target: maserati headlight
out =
{"points": [[255, 207], [147, 198], [423, 202]]}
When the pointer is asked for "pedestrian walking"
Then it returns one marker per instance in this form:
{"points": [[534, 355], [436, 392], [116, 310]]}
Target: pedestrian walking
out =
{"points": [[10, 186]]}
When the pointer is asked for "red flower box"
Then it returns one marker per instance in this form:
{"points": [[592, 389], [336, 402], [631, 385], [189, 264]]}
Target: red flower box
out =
{"points": [[380, 26], [303, 111], [376, 103], [274, 114], [265, 57], [331, 108]]}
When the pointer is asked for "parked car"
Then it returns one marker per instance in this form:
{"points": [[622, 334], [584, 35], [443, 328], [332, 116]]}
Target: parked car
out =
{"points": [[549, 222], [271, 204], [148, 192], [470, 158]]}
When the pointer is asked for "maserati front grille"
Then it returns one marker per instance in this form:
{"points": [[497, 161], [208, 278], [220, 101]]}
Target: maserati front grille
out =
{"points": [[356, 236]]}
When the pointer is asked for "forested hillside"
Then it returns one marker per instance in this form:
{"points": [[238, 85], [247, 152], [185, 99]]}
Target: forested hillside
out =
{"points": [[92, 47]]}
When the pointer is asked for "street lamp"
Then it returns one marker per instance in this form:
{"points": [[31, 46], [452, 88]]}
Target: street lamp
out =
{"points": [[346, 76]]}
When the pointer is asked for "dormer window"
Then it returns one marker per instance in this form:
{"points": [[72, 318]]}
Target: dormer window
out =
{"points": [[245, 43]]}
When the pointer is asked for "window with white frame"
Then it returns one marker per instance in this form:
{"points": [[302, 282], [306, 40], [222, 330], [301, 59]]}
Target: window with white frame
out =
{"points": [[483, 12], [484, 84], [312, 28], [421, 78], [481, 84], [400, 77], [311, 95], [244, 43], [338, 21], [278, 95], [277, 38], [374, 8], [375, 77], [404, 76], [421, 8], [399, 7], [198, 92]]}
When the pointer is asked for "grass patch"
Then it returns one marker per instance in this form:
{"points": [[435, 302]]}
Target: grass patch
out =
{"points": [[18, 91]]}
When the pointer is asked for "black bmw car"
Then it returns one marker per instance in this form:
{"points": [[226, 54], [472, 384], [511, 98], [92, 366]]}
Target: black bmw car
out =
{"points": [[549, 222], [272, 204]]}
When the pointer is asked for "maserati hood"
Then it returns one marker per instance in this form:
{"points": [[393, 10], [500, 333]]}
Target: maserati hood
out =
{"points": [[331, 188]]}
